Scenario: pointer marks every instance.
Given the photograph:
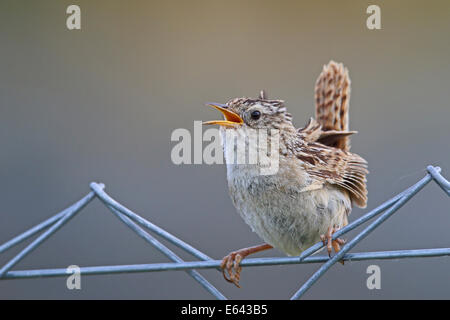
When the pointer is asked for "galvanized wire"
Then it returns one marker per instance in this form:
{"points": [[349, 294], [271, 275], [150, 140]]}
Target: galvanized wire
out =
{"points": [[135, 222], [167, 252], [213, 264], [65, 216]]}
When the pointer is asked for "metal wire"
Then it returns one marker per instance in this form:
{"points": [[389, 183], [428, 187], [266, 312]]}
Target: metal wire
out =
{"points": [[135, 222], [172, 256], [253, 262]]}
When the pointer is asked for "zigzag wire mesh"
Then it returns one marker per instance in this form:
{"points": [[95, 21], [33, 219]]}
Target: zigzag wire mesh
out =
{"points": [[142, 227]]}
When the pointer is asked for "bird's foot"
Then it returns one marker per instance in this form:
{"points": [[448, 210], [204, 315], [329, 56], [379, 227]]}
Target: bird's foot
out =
{"points": [[330, 243], [231, 263]]}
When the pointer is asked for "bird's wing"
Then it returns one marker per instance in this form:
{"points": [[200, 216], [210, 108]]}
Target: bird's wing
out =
{"points": [[323, 145], [334, 166], [313, 132], [332, 96]]}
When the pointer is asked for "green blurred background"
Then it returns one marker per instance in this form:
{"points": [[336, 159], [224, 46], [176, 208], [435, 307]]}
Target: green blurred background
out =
{"points": [[100, 104]]}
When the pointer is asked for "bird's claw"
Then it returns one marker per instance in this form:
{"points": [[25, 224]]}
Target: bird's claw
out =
{"points": [[231, 265], [331, 244]]}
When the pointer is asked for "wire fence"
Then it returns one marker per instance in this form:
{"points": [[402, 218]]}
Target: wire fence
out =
{"points": [[142, 227]]}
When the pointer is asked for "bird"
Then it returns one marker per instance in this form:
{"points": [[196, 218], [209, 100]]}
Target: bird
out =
{"points": [[318, 179]]}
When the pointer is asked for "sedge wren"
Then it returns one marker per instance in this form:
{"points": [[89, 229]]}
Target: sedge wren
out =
{"points": [[318, 179]]}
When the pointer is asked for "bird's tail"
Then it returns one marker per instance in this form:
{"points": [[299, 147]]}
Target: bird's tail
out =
{"points": [[332, 95]]}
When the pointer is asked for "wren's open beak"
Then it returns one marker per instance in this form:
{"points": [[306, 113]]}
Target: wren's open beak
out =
{"points": [[232, 118]]}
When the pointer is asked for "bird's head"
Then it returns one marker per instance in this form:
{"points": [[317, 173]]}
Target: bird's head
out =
{"points": [[253, 113]]}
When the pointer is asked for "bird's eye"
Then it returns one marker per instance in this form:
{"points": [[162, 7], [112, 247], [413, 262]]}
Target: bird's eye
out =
{"points": [[255, 115]]}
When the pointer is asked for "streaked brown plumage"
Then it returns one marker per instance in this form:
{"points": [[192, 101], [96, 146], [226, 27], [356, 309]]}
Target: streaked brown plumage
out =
{"points": [[318, 180]]}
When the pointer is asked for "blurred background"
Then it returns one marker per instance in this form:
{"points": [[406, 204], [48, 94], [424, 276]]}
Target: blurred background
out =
{"points": [[100, 104]]}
